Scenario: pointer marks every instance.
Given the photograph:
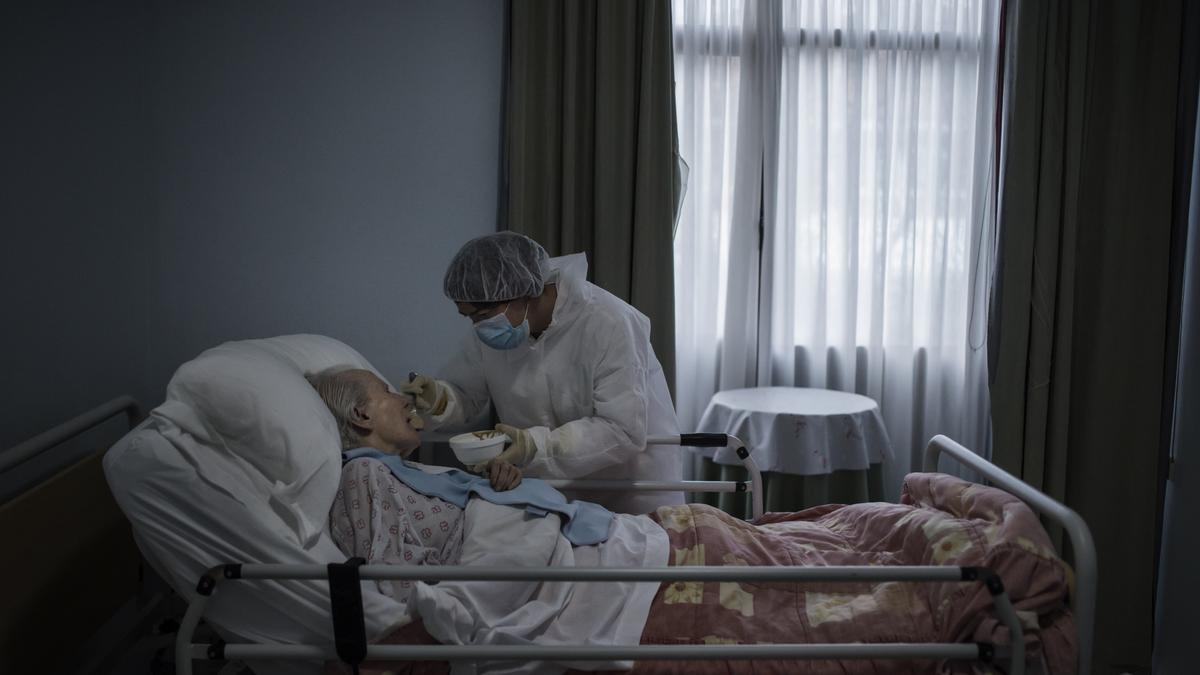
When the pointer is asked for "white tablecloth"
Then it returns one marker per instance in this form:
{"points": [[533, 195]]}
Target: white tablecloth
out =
{"points": [[798, 431]]}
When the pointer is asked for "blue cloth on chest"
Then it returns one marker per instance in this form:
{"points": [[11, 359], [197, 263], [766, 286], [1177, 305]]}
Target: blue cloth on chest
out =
{"points": [[584, 523]]}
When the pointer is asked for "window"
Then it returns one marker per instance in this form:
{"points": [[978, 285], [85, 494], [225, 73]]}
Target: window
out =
{"points": [[837, 226]]}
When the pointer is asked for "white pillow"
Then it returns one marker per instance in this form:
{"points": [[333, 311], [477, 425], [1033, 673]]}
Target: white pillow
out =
{"points": [[243, 415], [314, 353]]}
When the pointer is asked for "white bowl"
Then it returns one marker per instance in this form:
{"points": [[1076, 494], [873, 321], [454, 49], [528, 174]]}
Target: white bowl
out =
{"points": [[470, 449]]}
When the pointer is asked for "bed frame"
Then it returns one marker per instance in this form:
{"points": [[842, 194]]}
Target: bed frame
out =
{"points": [[1082, 601], [88, 586], [84, 477]]}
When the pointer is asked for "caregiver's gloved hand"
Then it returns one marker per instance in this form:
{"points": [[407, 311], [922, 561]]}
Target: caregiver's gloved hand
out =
{"points": [[428, 394], [519, 453]]}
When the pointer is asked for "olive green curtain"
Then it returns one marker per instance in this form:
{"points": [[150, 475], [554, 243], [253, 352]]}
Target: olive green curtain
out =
{"points": [[591, 145], [1080, 316]]}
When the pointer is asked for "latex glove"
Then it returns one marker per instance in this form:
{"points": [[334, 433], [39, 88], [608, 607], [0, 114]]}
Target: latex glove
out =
{"points": [[428, 394], [503, 476], [414, 419], [519, 452]]}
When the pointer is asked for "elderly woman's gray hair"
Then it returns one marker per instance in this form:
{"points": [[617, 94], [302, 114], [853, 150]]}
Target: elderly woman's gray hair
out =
{"points": [[341, 393]]}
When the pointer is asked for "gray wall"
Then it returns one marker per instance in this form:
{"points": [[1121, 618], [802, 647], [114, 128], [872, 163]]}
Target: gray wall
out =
{"points": [[75, 210], [186, 174], [318, 165]]}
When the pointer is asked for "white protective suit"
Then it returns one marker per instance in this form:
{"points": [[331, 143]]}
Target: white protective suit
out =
{"points": [[589, 389]]}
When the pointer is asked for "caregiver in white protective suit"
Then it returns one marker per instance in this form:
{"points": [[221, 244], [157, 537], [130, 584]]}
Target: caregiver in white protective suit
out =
{"points": [[568, 365]]}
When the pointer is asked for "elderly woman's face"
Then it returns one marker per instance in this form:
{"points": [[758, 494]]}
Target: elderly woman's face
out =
{"points": [[395, 418]]}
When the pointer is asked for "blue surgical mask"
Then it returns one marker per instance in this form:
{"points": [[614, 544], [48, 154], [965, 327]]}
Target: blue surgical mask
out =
{"points": [[497, 333]]}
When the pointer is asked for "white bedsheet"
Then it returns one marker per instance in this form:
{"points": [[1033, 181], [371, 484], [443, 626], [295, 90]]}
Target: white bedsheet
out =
{"points": [[536, 613], [184, 525]]}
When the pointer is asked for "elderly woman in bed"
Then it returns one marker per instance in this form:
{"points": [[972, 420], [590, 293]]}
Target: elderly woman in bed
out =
{"points": [[371, 415], [374, 515]]}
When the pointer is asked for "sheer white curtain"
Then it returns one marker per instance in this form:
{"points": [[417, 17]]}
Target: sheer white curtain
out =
{"points": [[861, 131], [716, 241]]}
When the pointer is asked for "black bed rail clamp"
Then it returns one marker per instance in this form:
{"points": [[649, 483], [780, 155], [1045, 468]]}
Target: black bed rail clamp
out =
{"points": [[987, 652], [1008, 616], [216, 651], [704, 440], [206, 584], [345, 600], [990, 579]]}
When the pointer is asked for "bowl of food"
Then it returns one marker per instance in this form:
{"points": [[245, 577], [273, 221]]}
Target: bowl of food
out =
{"points": [[476, 447]]}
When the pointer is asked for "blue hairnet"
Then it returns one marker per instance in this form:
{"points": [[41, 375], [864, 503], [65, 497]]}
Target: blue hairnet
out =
{"points": [[496, 267]]}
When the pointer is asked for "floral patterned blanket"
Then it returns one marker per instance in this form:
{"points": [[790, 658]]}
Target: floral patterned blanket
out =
{"points": [[941, 520]]}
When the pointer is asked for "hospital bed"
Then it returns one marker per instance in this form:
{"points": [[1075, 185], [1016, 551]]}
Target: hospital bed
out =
{"points": [[240, 577], [222, 577], [352, 639]]}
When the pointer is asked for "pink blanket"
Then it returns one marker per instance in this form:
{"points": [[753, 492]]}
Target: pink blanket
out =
{"points": [[942, 520]]}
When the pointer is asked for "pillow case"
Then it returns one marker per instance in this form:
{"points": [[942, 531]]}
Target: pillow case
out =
{"points": [[243, 415]]}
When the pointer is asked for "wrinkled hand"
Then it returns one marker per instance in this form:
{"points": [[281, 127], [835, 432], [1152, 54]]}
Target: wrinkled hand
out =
{"points": [[428, 394], [503, 476], [519, 453]]}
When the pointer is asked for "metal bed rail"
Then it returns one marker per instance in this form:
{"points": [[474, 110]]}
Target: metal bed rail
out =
{"points": [[22, 452], [1083, 601], [186, 652], [98, 649], [755, 486]]}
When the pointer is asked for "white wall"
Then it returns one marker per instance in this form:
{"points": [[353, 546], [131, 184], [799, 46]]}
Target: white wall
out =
{"points": [[318, 165], [181, 174]]}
